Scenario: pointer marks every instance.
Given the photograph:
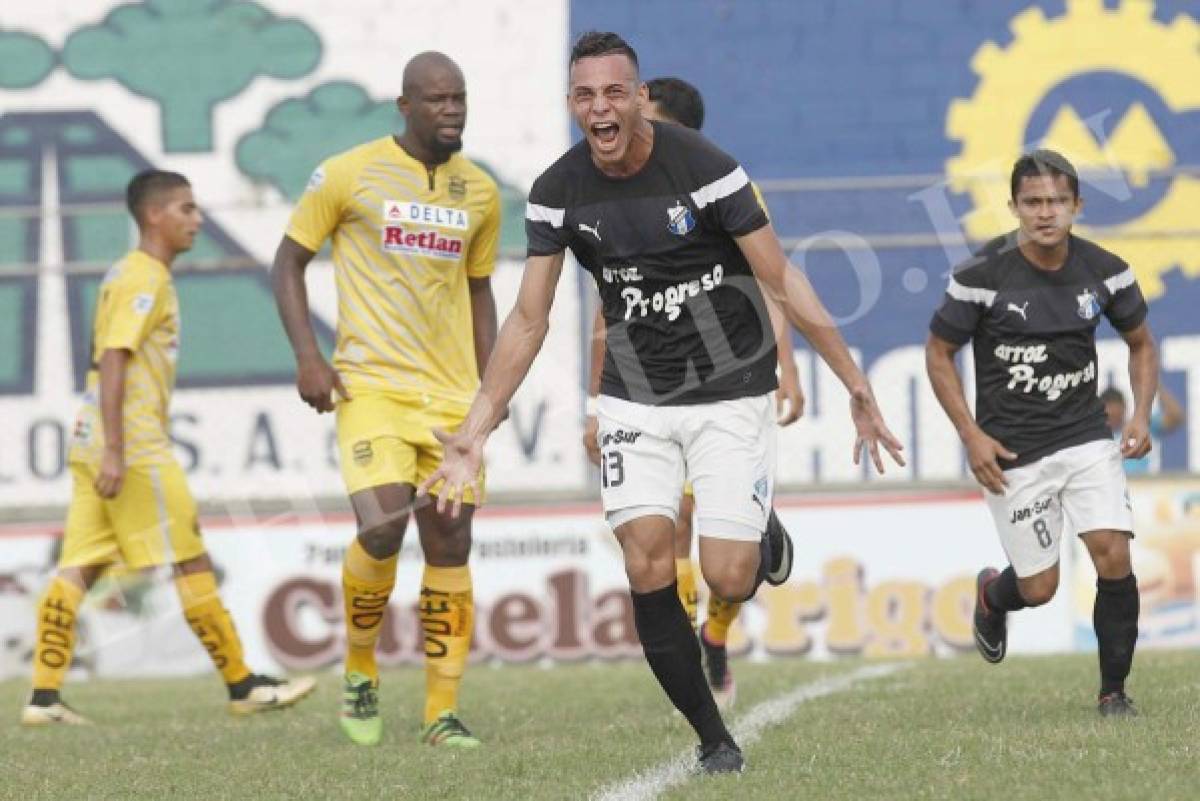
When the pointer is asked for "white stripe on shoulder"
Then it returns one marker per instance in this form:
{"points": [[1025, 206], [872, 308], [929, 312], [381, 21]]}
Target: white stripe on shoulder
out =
{"points": [[536, 213], [722, 187], [969, 294], [1120, 281]]}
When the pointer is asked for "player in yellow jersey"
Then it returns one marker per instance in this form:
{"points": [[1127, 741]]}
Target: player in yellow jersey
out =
{"points": [[130, 504], [414, 227], [675, 100]]}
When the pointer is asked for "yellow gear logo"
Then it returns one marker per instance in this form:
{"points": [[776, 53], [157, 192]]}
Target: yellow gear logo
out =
{"points": [[1044, 55]]}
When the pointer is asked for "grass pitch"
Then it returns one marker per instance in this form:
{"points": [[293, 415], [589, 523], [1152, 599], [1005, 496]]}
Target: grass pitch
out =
{"points": [[939, 729]]}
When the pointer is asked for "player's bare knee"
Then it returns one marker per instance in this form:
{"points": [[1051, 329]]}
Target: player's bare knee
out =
{"points": [[383, 541], [647, 572], [449, 548], [731, 582]]}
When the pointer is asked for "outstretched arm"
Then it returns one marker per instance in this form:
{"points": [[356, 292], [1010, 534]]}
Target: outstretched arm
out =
{"points": [[518, 343], [797, 299], [315, 378]]}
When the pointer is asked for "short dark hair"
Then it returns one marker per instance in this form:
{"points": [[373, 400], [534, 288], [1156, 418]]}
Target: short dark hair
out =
{"points": [[1112, 395], [145, 185], [679, 100], [1044, 162], [601, 43]]}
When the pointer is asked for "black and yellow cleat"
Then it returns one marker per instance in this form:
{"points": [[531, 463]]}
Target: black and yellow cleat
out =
{"points": [[716, 668]]}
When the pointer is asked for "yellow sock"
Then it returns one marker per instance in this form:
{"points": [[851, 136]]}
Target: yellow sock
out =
{"points": [[447, 612], [55, 642], [721, 615], [685, 574], [366, 587], [212, 624]]}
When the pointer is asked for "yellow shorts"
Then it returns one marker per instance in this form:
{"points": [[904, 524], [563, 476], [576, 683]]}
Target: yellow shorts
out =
{"points": [[388, 439], [152, 521]]}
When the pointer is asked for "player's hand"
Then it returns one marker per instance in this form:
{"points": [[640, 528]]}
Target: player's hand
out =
{"points": [[789, 399], [316, 381], [591, 444], [1135, 439], [112, 473], [462, 456], [983, 454], [868, 422]]}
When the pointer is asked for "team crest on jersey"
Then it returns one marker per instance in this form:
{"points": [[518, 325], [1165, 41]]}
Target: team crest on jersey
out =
{"points": [[680, 220], [1088, 306], [458, 187]]}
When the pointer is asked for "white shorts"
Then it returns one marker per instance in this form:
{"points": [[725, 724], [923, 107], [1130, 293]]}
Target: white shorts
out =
{"points": [[726, 449], [1084, 483]]}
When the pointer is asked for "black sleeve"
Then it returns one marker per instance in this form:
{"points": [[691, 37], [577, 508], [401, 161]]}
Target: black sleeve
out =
{"points": [[962, 308], [544, 213], [1126, 307]]}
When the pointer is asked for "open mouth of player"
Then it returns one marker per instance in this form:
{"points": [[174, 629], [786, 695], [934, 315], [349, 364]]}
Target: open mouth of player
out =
{"points": [[451, 132], [605, 134]]}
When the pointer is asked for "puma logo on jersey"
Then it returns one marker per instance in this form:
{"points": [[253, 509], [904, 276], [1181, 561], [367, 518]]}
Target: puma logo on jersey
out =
{"points": [[1012, 307], [593, 231]]}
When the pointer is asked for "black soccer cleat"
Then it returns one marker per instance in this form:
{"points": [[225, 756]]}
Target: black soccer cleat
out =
{"points": [[723, 757], [780, 544], [1116, 705], [991, 628]]}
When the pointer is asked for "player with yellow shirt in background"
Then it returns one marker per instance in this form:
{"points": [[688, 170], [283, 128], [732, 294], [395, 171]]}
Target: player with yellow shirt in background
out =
{"points": [[414, 228], [130, 504]]}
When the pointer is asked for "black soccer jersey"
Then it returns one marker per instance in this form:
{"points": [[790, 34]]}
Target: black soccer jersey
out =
{"points": [[1034, 335], [686, 321]]}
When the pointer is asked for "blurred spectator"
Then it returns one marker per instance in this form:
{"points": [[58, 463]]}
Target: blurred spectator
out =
{"points": [[1165, 417]]}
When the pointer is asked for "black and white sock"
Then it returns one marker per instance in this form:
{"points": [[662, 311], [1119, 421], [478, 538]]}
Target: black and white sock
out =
{"points": [[673, 652], [1115, 617]]}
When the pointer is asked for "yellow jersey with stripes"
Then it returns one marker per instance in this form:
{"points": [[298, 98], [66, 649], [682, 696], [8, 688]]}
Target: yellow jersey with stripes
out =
{"points": [[405, 239], [137, 310]]}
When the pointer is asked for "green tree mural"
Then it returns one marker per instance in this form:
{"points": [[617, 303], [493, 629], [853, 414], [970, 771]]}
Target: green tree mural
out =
{"points": [[300, 133], [25, 60], [190, 55]]}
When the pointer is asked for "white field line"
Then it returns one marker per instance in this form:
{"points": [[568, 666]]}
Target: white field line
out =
{"points": [[747, 730]]}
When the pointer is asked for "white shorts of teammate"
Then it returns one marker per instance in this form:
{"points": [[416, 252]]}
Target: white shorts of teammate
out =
{"points": [[725, 449], [1083, 485]]}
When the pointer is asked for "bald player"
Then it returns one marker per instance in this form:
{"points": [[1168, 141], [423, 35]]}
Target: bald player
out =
{"points": [[414, 228]]}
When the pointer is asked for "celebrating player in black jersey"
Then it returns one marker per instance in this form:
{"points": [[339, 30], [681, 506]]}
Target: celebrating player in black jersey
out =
{"points": [[670, 229], [1038, 442]]}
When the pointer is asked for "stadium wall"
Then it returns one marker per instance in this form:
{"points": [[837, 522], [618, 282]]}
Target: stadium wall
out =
{"points": [[876, 575]]}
